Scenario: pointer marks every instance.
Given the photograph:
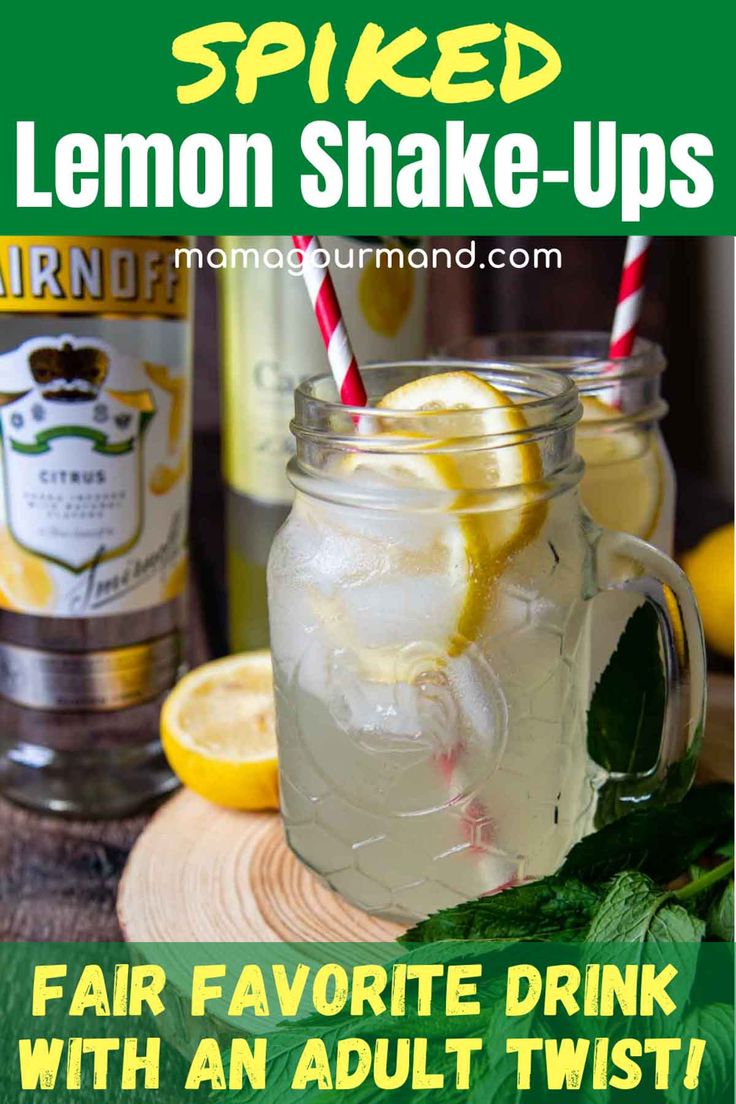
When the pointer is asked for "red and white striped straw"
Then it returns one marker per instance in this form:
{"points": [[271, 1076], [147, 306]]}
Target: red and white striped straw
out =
{"points": [[340, 354], [345, 370], [630, 296]]}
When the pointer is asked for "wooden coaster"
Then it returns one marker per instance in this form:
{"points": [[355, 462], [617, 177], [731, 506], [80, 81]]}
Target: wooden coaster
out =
{"points": [[203, 874]]}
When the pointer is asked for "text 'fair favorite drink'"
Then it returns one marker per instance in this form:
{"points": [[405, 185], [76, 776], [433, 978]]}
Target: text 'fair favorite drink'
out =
{"points": [[94, 459]]}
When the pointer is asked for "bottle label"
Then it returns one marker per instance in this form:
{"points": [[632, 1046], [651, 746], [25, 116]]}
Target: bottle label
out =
{"points": [[94, 463], [93, 276]]}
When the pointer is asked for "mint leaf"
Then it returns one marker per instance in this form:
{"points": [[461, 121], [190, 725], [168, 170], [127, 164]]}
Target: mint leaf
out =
{"points": [[625, 721], [627, 708], [553, 908], [714, 1023], [674, 924], [660, 841], [626, 913], [719, 922], [636, 910], [618, 797]]}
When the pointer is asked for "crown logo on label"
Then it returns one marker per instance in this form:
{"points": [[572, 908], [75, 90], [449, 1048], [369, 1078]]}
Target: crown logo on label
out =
{"points": [[67, 374]]}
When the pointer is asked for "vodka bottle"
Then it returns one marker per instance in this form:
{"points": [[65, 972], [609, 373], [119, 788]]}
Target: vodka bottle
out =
{"points": [[94, 456]]}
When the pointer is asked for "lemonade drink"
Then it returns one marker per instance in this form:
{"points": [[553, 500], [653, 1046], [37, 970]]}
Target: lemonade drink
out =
{"points": [[429, 605]]}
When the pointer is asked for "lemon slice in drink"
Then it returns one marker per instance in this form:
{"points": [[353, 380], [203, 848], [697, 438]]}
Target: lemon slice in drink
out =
{"points": [[448, 393], [457, 405], [425, 565], [218, 732], [490, 537], [401, 589], [413, 586], [623, 484]]}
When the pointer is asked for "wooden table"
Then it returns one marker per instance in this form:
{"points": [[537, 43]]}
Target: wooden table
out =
{"points": [[59, 878]]}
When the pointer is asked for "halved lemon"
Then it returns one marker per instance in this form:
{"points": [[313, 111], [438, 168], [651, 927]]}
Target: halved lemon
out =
{"points": [[709, 568], [25, 583], [623, 484], [218, 732]]}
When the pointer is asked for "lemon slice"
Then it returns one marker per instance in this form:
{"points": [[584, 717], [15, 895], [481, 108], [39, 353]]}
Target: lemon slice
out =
{"points": [[623, 484], [25, 583], [491, 537], [398, 584], [218, 732], [402, 592], [441, 396]]}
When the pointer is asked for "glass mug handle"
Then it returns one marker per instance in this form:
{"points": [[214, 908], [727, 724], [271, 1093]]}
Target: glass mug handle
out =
{"points": [[626, 563]]}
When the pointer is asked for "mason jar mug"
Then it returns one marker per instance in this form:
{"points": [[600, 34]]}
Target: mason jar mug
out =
{"points": [[429, 603]]}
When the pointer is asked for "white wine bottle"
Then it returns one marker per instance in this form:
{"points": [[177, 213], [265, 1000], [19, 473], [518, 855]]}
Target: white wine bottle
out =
{"points": [[270, 343], [95, 437]]}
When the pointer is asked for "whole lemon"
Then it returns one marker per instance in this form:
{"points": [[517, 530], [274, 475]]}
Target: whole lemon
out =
{"points": [[709, 567]]}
